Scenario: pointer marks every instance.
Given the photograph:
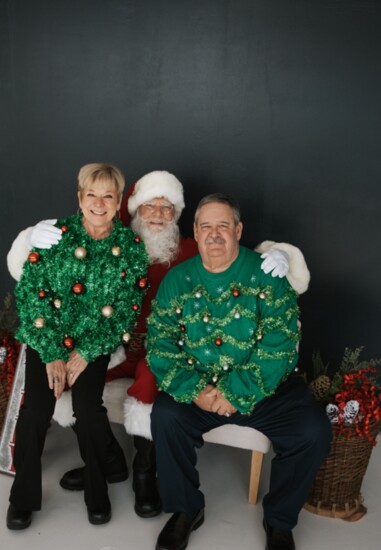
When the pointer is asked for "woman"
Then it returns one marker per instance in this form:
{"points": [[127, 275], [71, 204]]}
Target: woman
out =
{"points": [[76, 301]]}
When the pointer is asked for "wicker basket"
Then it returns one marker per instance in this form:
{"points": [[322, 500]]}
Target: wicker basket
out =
{"points": [[335, 492]]}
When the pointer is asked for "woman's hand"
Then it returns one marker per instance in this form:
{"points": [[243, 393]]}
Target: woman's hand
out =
{"points": [[56, 371], [74, 367]]}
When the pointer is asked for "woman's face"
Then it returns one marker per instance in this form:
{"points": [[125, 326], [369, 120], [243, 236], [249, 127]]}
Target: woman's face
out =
{"points": [[99, 203]]}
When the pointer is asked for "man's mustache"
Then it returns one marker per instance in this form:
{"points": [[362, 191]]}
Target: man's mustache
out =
{"points": [[147, 221], [215, 240]]}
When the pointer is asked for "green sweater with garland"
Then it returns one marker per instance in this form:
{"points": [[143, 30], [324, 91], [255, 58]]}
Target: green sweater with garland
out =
{"points": [[81, 294], [236, 329]]}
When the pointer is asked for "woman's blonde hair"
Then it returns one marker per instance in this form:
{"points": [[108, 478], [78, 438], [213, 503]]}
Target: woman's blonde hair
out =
{"points": [[99, 171]]}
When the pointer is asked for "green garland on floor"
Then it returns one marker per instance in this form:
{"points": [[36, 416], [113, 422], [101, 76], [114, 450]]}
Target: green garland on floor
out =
{"points": [[82, 294]]}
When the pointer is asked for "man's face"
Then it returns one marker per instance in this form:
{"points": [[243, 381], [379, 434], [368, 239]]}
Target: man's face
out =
{"points": [[156, 213], [217, 234]]}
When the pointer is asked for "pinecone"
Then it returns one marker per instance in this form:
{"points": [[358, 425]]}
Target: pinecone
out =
{"points": [[332, 411], [320, 386], [351, 410]]}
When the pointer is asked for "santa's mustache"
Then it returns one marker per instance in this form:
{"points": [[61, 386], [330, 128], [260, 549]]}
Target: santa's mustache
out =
{"points": [[215, 240], [157, 220]]}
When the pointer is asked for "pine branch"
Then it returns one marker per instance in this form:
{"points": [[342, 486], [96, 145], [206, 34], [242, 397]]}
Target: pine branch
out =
{"points": [[319, 368]]}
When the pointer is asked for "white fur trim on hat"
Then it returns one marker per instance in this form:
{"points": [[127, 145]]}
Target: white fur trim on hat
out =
{"points": [[298, 275], [137, 417], [18, 253], [155, 185]]}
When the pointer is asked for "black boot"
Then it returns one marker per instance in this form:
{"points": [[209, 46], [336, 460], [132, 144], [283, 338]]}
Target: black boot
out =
{"points": [[147, 498], [276, 539], [18, 519], [74, 480], [116, 468]]}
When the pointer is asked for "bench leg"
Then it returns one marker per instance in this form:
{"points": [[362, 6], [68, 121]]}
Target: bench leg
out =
{"points": [[255, 473]]}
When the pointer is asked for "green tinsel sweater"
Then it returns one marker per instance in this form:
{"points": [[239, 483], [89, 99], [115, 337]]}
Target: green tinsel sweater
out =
{"points": [[81, 294], [236, 329]]}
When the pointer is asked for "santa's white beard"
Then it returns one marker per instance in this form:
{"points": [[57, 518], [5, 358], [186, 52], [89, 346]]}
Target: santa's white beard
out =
{"points": [[162, 246]]}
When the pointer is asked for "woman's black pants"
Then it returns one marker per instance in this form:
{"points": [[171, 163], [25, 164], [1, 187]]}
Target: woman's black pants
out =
{"points": [[92, 429]]}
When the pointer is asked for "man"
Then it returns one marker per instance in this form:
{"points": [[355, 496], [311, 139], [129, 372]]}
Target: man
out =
{"points": [[222, 343], [155, 204]]}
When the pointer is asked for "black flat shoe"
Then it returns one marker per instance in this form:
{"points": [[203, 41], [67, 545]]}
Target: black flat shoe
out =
{"points": [[73, 480], [276, 539], [147, 498], [98, 517], [18, 519], [176, 532]]}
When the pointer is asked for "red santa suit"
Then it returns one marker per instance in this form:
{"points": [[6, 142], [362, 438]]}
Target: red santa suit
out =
{"points": [[144, 387]]}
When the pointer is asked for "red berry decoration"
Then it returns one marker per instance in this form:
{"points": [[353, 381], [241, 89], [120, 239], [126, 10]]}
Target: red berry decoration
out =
{"points": [[68, 342], [142, 283], [34, 257], [137, 239], [182, 328], [218, 341], [135, 307], [78, 288], [123, 274], [236, 292], [64, 228], [42, 293]]}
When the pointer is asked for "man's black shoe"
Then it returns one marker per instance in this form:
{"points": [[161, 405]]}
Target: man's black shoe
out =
{"points": [[147, 498], [176, 532], [98, 517], [18, 519], [73, 480], [276, 539]]}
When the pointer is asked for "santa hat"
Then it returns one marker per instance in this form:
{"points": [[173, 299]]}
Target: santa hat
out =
{"points": [[154, 185]]}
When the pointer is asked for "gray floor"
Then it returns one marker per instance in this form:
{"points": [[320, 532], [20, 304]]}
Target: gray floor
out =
{"points": [[62, 523]]}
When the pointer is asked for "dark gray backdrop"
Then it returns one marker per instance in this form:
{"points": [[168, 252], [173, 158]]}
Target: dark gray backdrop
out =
{"points": [[276, 102]]}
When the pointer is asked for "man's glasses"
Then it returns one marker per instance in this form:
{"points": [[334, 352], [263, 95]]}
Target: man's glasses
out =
{"points": [[166, 209]]}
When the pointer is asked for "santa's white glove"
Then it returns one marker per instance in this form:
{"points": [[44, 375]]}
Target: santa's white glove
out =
{"points": [[44, 235], [276, 261]]}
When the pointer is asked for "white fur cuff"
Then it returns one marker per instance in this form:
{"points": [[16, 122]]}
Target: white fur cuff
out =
{"points": [[63, 413], [117, 357], [18, 253], [137, 417], [298, 275]]}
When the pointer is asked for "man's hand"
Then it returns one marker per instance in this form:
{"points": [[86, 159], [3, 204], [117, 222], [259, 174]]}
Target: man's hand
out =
{"points": [[276, 261], [74, 367], [56, 372], [222, 406], [212, 400], [206, 398], [45, 234]]}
